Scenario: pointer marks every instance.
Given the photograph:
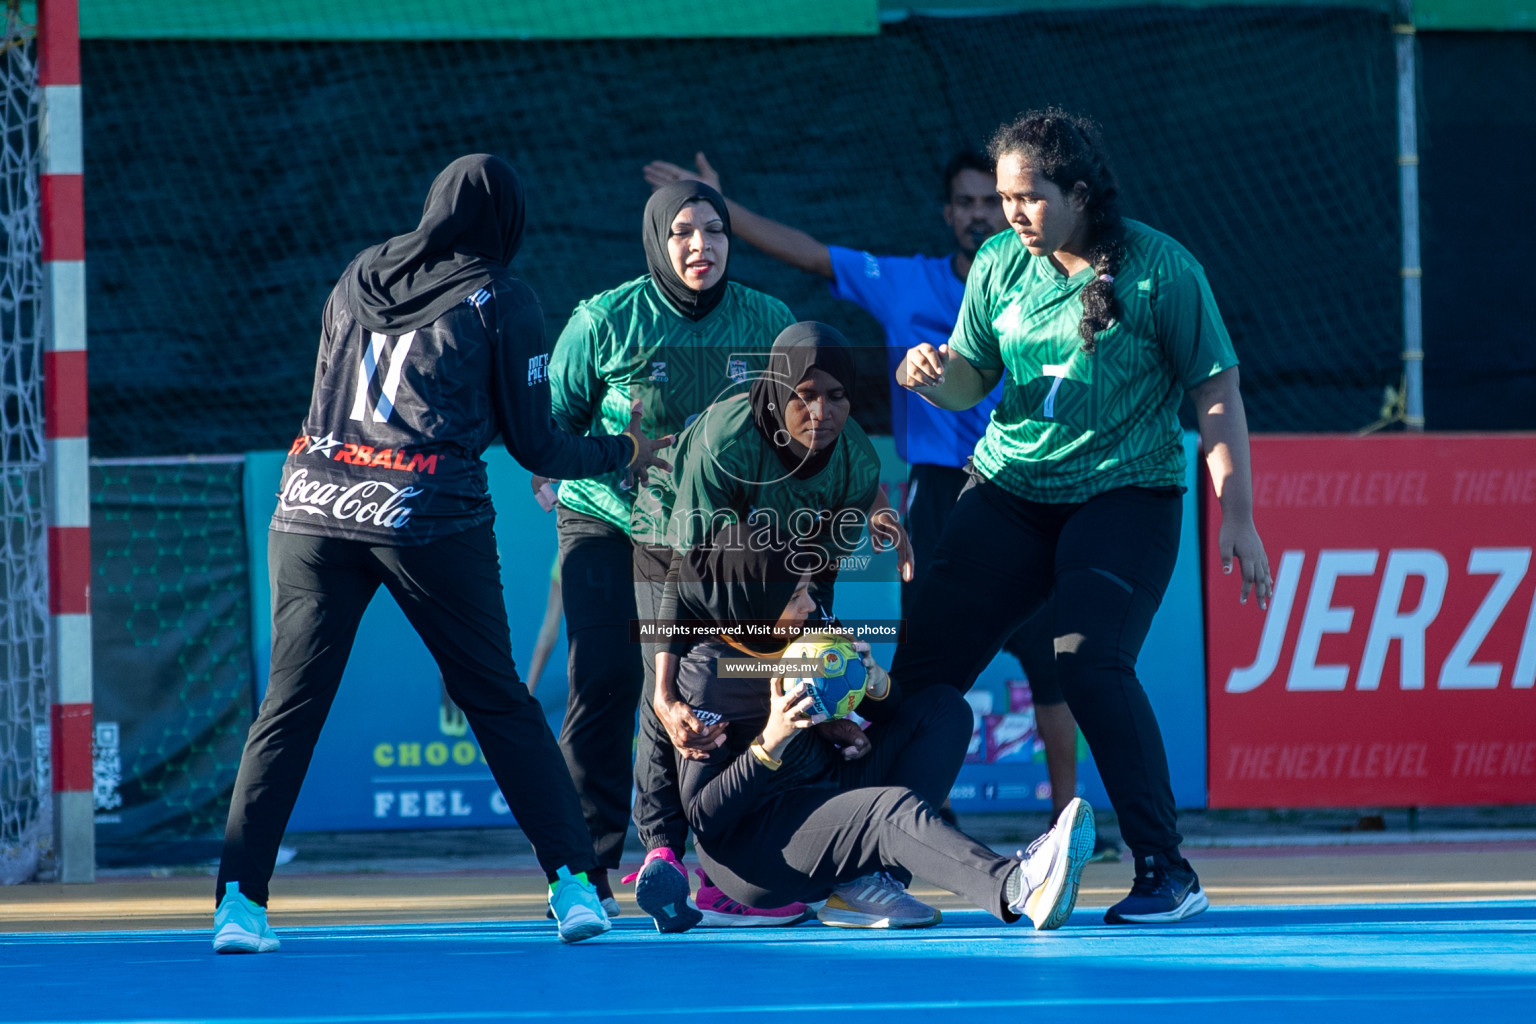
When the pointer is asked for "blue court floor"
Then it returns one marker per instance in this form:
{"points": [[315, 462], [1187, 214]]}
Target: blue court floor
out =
{"points": [[1461, 963]]}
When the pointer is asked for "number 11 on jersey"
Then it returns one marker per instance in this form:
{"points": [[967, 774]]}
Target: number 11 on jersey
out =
{"points": [[375, 353]]}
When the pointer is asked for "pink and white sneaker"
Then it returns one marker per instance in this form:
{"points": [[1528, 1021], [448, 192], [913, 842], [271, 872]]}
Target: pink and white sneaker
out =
{"points": [[720, 911], [661, 889]]}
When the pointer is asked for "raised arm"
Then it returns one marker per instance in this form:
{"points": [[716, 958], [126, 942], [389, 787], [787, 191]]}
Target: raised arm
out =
{"points": [[782, 242], [1224, 436]]}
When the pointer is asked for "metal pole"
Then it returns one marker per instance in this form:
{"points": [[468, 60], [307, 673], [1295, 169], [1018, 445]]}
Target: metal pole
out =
{"points": [[1408, 174], [62, 219]]}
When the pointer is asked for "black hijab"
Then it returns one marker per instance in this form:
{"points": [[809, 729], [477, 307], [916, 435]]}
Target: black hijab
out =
{"points": [[660, 211], [797, 350], [745, 573], [471, 227]]}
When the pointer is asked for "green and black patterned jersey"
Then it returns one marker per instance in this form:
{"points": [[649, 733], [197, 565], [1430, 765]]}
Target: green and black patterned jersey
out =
{"points": [[1072, 425], [724, 471], [630, 343]]}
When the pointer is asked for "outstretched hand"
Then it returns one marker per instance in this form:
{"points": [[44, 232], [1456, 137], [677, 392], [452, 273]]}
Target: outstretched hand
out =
{"points": [[645, 457], [660, 172]]}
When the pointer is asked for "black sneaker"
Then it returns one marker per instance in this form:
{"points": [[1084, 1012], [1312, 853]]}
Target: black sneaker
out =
{"points": [[1166, 890], [662, 890]]}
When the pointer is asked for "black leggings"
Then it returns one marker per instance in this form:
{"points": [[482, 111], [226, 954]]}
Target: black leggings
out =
{"points": [[659, 817], [932, 492], [450, 590], [597, 736], [1109, 560], [876, 815]]}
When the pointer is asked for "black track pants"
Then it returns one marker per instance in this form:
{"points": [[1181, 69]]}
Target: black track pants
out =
{"points": [[879, 817], [450, 590], [1109, 560], [659, 817], [597, 737], [931, 495]]}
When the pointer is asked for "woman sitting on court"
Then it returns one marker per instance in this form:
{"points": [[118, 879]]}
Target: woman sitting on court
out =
{"points": [[788, 808], [782, 450]]}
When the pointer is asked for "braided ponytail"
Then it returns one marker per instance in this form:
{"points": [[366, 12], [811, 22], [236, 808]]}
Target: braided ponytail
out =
{"points": [[1067, 149]]}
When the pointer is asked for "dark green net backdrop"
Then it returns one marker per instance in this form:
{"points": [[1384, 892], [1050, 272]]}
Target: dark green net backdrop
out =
{"points": [[228, 183], [171, 625], [1479, 151]]}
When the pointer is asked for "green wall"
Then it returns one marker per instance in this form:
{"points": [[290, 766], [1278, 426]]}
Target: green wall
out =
{"points": [[470, 19], [596, 19]]}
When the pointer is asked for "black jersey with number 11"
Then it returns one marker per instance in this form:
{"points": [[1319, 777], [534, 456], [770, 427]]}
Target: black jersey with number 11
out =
{"points": [[390, 450]]}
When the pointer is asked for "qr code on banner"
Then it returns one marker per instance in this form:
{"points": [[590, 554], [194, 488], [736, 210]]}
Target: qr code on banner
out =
{"points": [[106, 767]]}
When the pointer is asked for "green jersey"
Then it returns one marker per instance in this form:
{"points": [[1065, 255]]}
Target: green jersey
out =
{"points": [[630, 343], [1072, 425], [724, 471]]}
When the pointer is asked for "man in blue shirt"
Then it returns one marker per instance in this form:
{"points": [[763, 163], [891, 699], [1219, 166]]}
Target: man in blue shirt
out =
{"points": [[917, 299]]}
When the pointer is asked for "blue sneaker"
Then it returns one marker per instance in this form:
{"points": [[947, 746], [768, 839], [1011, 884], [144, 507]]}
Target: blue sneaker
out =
{"points": [[578, 912], [240, 926], [1165, 890]]}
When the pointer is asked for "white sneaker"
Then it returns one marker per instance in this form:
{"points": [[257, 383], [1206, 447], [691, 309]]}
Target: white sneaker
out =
{"points": [[240, 926], [876, 901], [1052, 866]]}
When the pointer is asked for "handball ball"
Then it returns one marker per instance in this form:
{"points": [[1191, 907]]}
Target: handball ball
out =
{"points": [[839, 692]]}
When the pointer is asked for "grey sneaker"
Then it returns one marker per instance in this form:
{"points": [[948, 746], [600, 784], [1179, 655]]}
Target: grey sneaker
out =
{"points": [[1052, 867], [876, 901]]}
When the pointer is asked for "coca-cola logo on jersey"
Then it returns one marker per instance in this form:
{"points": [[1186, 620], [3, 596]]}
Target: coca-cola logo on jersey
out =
{"points": [[368, 502]]}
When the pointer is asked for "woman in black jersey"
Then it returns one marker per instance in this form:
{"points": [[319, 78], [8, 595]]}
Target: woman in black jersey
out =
{"points": [[429, 348], [785, 809]]}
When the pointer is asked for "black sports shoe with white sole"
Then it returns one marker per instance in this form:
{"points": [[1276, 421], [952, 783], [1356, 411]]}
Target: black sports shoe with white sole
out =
{"points": [[1166, 890]]}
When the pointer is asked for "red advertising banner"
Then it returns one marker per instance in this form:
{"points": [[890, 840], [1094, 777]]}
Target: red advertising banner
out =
{"points": [[1396, 663]]}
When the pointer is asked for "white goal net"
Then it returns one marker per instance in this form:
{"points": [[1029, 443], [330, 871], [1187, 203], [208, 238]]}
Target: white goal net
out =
{"points": [[25, 809]]}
